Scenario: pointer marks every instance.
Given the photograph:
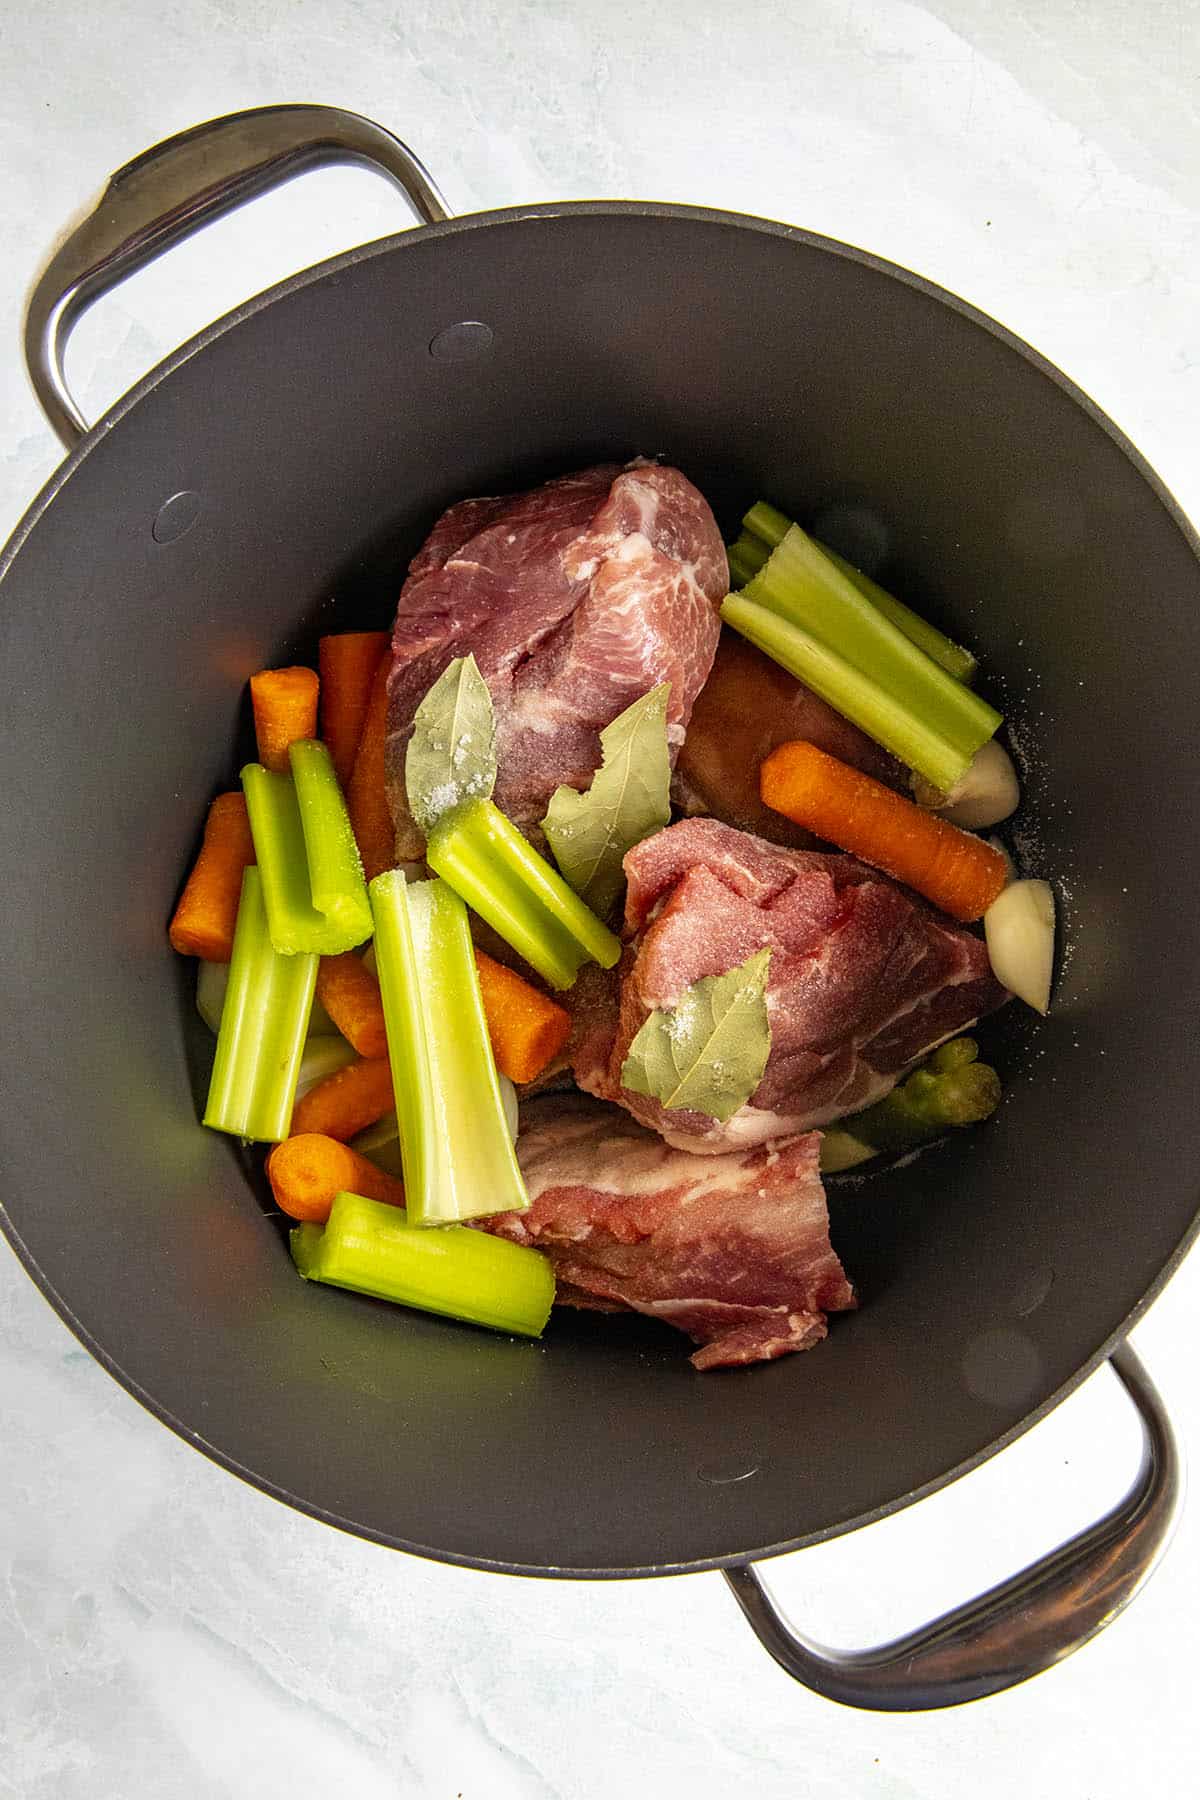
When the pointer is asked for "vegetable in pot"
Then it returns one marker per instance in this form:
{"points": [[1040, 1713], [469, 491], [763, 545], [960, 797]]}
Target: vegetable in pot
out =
{"points": [[347, 664], [307, 1172], [458, 1157], [986, 793], [264, 1022], [1019, 928], [312, 879], [285, 710], [366, 797], [376, 1249], [959, 873], [206, 916], [953, 1089]]}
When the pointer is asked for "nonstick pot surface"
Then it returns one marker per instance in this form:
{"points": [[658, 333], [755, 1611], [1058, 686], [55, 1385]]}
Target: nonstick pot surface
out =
{"points": [[319, 436]]}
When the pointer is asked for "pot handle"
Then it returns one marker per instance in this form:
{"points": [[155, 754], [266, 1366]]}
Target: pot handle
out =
{"points": [[173, 190], [1022, 1626]]}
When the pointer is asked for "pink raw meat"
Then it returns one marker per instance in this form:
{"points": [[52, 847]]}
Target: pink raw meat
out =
{"points": [[575, 598], [864, 977], [733, 1250]]}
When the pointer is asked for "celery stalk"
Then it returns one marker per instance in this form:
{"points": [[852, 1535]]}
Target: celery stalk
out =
{"points": [[263, 1025], [943, 650], [462, 1274], [459, 1161], [746, 554], [498, 872], [801, 584], [768, 523], [861, 700], [769, 526], [313, 887]]}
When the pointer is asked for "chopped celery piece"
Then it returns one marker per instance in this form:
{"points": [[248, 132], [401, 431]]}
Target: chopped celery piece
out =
{"points": [[943, 650], [212, 978], [458, 1156], [462, 1274], [483, 857], [953, 1089], [747, 555], [263, 1025], [863, 701], [380, 1143], [841, 1150], [312, 877], [802, 585], [768, 523]]}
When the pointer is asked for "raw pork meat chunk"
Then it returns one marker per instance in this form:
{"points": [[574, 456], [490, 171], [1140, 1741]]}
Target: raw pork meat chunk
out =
{"points": [[734, 1250], [576, 598], [864, 977]]}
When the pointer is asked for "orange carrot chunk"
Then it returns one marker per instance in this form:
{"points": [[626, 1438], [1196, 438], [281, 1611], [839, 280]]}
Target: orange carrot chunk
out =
{"points": [[957, 872], [366, 797], [307, 1172], [350, 995], [527, 1029], [347, 664], [346, 1103], [207, 912], [285, 708]]}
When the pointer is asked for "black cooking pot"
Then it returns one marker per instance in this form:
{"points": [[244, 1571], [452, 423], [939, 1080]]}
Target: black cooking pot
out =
{"points": [[267, 483]]}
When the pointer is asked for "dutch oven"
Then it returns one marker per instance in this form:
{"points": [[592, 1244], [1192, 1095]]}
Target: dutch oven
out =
{"points": [[267, 483]]}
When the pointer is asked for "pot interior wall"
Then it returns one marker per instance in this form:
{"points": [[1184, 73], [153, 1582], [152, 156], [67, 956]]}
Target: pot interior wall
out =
{"points": [[321, 436]]}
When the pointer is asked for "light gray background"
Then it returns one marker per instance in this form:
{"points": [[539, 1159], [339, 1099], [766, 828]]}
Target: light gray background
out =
{"points": [[170, 1634]]}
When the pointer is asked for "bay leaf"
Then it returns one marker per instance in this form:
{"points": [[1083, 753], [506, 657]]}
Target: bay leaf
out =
{"points": [[629, 798], [708, 1052], [451, 754]]}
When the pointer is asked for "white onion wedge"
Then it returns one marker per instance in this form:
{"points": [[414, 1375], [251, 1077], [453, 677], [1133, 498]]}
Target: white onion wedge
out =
{"points": [[323, 1056], [987, 792], [1019, 928], [212, 978]]}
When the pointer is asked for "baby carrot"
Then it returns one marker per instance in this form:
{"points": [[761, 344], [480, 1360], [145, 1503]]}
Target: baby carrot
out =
{"points": [[307, 1172], [366, 797], [285, 708], [207, 912], [959, 873], [347, 664], [350, 995], [526, 1028], [346, 1103]]}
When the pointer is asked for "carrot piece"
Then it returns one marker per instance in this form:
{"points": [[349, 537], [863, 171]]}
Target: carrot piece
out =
{"points": [[285, 708], [307, 1172], [346, 1103], [350, 995], [956, 871], [207, 911], [347, 664], [526, 1028], [366, 797]]}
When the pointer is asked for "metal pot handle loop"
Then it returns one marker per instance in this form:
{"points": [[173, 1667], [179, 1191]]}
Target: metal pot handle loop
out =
{"points": [[173, 190], [1022, 1626]]}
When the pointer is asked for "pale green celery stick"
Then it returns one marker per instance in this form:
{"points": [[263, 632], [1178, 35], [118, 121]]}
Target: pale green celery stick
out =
{"points": [[770, 526], [313, 886], [380, 1143], [951, 1090], [767, 523], [211, 981], [950, 656], [498, 872], [458, 1157], [801, 584], [740, 569], [863, 701], [746, 555], [841, 1150], [263, 1026], [462, 1274]]}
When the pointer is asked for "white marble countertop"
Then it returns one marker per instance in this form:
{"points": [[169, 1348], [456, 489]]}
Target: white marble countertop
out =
{"points": [[168, 1632]]}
